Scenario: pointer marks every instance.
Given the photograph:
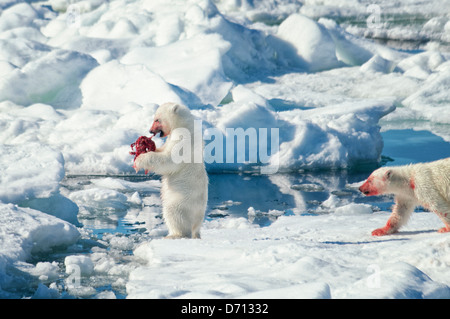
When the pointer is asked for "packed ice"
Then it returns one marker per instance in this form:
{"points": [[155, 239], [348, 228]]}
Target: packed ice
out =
{"points": [[81, 80]]}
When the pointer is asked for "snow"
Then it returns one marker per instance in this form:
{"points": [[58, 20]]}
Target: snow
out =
{"points": [[81, 80], [298, 257]]}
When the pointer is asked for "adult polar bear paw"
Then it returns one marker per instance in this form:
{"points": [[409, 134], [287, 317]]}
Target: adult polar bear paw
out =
{"points": [[425, 184], [184, 191]]}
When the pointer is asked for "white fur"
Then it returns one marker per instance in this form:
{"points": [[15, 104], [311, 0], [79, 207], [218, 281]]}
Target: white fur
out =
{"points": [[425, 184], [184, 190]]}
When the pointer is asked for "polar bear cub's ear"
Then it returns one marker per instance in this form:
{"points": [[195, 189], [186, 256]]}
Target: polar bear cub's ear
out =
{"points": [[387, 175], [175, 108]]}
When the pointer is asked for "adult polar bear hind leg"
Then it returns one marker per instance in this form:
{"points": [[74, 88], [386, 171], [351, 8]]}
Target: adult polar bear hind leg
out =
{"points": [[425, 184], [184, 191]]}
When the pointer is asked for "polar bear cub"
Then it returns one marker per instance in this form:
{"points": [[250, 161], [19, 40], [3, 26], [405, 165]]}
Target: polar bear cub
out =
{"points": [[184, 190], [425, 184]]}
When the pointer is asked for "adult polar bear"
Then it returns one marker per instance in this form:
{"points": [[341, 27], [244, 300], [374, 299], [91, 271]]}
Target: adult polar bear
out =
{"points": [[184, 191], [425, 184]]}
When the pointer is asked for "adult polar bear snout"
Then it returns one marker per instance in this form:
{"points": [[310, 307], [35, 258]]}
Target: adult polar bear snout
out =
{"points": [[184, 190]]}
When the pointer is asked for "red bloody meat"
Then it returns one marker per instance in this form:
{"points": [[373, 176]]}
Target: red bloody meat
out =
{"points": [[143, 144]]}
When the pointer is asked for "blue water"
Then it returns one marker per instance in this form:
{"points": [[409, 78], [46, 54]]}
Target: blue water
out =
{"points": [[409, 146]]}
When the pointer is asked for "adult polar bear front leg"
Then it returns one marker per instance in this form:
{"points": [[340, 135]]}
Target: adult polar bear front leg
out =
{"points": [[400, 214], [184, 191]]}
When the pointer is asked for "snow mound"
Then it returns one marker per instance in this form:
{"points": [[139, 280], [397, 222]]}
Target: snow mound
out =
{"points": [[79, 264], [311, 41], [29, 172], [433, 96], [30, 177], [338, 136], [194, 64], [53, 79], [113, 85]]}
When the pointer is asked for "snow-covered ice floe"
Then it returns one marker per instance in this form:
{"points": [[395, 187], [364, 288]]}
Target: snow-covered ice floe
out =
{"points": [[297, 257], [81, 80], [25, 232]]}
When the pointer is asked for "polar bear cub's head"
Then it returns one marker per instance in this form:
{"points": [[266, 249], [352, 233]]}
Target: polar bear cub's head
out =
{"points": [[170, 116]]}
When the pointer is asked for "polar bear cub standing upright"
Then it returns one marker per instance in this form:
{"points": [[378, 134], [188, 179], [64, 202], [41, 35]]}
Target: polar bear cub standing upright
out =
{"points": [[425, 184], [184, 190]]}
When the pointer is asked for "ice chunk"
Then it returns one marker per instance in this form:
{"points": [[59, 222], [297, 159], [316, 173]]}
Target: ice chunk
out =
{"points": [[46, 270], [98, 202], [79, 264], [56, 205], [30, 177], [333, 136], [378, 64], [52, 79], [27, 172], [354, 209], [113, 85], [349, 49], [194, 64], [44, 292], [17, 15], [25, 231], [432, 100], [311, 41]]}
